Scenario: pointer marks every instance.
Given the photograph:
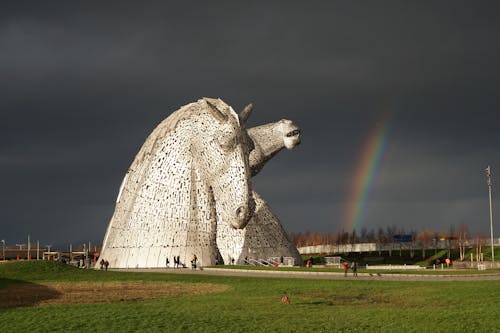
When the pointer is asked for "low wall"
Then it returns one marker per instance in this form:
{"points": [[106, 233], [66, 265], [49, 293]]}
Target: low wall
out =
{"points": [[397, 267], [360, 247], [474, 264]]}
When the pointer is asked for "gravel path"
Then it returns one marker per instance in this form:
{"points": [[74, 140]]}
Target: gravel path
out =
{"points": [[320, 275]]}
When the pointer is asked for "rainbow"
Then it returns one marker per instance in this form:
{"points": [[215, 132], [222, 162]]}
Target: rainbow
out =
{"points": [[365, 173]]}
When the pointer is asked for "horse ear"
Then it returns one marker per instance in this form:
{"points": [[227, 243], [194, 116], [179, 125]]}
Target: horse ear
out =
{"points": [[217, 108], [245, 113]]}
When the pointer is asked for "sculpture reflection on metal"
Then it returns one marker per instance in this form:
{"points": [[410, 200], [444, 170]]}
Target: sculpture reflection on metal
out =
{"points": [[188, 191]]}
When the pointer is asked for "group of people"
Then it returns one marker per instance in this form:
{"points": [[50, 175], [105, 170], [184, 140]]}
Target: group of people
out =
{"points": [[354, 267], [104, 264], [177, 262]]}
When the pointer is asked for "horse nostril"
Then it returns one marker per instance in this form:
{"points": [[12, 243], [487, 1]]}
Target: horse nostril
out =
{"points": [[242, 212]]}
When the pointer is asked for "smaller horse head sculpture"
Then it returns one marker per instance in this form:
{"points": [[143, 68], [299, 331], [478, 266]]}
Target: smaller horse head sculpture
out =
{"points": [[269, 139]]}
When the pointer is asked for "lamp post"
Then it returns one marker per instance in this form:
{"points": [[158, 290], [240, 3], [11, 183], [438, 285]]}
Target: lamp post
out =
{"points": [[29, 248], [490, 185], [48, 246], [3, 249]]}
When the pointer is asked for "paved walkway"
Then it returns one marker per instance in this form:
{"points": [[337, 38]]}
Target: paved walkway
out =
{"points": [[319, 275]]}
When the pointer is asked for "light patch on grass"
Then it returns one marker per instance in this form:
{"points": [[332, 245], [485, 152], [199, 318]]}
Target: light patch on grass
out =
{"points": [[60, 293]]}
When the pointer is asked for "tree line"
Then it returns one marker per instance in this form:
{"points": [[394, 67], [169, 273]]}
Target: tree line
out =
{"points": [[455, 238]]}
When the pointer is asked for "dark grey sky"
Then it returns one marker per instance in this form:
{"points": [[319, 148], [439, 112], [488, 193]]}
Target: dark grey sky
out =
{"points": [[82, 85]]}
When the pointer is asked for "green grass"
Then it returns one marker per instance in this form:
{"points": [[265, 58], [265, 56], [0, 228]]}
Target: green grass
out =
{"points": [[486, 253], [253, 305], [438, 271]]}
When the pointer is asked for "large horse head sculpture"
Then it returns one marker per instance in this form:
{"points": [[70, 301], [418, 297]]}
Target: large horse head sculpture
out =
{"points": [[191, 173]]}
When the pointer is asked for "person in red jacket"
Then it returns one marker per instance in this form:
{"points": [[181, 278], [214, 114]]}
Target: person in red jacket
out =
{"points": [[345, 266]]}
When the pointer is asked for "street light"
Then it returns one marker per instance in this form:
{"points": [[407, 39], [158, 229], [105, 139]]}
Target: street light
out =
{"points": [[490, 185], [3, 249], [48, 246]]}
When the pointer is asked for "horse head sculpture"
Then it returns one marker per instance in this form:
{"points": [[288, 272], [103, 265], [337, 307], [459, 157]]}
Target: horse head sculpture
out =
{"points": [[191, 173], [270, 139]]}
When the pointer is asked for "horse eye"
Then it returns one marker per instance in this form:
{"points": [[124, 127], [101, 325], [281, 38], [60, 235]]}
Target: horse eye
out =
{"points": [[227, 142]]}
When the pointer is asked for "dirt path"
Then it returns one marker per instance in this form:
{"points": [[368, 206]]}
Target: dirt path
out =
{"points": [[320, 275], [59, 293]]}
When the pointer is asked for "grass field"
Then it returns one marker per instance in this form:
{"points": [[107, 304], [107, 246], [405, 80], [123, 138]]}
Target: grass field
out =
{"points": [[62, 298], [437, 271]]}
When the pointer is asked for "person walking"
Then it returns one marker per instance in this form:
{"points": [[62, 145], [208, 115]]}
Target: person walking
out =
{"points": [[193, 261], [354, 267], [345, 266]]}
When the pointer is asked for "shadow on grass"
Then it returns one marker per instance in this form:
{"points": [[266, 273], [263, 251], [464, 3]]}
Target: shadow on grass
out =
{"points": [[317, 302], [18, 293]]}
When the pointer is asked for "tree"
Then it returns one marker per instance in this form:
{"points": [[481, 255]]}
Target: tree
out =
{"points": [[463, 231], [353, 237], [425, 239], [364, 235], [307, 238], [435, 240], [381, 240], [371, 236], [480, 241], [401, 233], [412, 243], [317, 239], [390, 232]]}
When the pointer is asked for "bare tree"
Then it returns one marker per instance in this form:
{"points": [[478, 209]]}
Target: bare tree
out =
{"points": [[364, 235], [317, 238], [381, 240], [402, 234], [371, 236], [325, 238], [390, 232], [307, 238], [353, 237], [425, 239], [452, 236], [480, 242], [413, 234], [463, 231]]}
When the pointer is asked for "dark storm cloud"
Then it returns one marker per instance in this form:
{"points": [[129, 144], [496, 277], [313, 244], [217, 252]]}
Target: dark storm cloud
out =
{"points": [[83, 84]]}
